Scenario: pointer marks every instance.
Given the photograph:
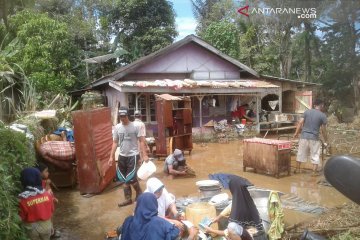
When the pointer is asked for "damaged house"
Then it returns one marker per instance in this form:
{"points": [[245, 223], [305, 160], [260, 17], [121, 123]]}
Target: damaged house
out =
{"points": [[215, 83]]}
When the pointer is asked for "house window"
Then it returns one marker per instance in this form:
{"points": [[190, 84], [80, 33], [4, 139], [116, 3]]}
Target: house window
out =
{"points": [[146, 104], [152, 108]]}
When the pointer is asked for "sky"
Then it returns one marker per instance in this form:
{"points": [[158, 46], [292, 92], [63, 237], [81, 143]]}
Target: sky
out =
{"points": [[185, 21]]}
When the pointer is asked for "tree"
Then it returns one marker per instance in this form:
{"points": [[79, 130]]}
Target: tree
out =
{"points": [[141, 27], [82, 18], [43, 50], [207, 12], [224, 36], [341, 43], [10, 7]]}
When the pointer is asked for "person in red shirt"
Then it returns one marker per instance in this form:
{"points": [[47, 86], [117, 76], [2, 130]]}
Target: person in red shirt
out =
{"points": [[244, 112], [36, 205], [45, 180]]}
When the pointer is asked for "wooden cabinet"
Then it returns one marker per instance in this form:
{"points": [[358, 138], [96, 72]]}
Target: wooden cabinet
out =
{"points": [[269, 156], [174, 119]]}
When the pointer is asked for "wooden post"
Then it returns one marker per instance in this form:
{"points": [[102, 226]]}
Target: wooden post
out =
{"points": [[258, 109], [280, 100], [200, 98]]}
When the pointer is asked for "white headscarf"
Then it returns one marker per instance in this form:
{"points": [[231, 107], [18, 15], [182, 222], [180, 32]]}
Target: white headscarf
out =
{"points": [[235, 228], [152, 185]]}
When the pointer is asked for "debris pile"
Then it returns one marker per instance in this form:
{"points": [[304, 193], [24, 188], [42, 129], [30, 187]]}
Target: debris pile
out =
{"points": [[222, 132], [342, 222], [91, 100]]}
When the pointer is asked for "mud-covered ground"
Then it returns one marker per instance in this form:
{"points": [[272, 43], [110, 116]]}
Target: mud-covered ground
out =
{"points": [[78, 217]]}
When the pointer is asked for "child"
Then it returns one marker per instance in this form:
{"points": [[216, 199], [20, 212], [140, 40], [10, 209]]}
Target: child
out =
{"points": [[36, 205], [45, 182]]}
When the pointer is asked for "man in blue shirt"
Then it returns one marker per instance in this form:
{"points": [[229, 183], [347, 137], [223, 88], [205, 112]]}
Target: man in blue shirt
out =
{"points": [[310, 124]]}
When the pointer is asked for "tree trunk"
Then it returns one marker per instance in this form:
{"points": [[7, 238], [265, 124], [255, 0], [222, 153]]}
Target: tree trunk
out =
{"points": [[307, 51], [285, 53], [354, 61], [356, 85]]}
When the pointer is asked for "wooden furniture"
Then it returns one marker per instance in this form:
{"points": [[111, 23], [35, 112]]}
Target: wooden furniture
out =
{"points": [[93, 140], [269, 156], [174, 119]]}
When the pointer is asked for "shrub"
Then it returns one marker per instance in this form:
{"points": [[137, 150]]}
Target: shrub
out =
{"points": [[15, 155]]}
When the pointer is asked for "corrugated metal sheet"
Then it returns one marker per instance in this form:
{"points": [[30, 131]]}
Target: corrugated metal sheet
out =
{"points": [[93, 140]]}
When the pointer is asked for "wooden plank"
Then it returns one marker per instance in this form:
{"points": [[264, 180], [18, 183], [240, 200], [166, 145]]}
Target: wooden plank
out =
{"points": [[278, 129], [302, 102]]}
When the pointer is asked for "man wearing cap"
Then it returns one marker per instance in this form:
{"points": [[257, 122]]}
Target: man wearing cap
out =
{"points": [[311, 123], [139, 123], [173, 163], [131, 141]]}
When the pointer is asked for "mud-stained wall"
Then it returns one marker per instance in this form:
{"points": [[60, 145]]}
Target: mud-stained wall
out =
{"points": [[115, 99]]}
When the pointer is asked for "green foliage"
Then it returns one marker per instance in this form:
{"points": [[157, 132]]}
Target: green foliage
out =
{"points": [[15, 154], [224, 36], [16, 92], [44, 51], [141, 26], [210, 11], [340, 53]]}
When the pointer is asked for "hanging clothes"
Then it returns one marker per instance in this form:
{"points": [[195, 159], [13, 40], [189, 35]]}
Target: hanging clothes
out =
{"points": [[276, 216]]}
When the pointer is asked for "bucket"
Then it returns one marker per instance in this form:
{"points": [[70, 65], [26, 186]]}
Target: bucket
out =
{"points": [[146, 169], [243, 121], [196, 212]]}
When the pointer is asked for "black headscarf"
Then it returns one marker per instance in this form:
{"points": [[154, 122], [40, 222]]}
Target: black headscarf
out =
{"points": [[243, 209]]}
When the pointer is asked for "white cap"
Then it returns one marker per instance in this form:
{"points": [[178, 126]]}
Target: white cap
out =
{"points": [[179, 155], [137, 113]]}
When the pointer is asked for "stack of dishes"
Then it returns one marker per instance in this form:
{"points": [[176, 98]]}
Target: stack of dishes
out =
{"points": [[209, 188]]}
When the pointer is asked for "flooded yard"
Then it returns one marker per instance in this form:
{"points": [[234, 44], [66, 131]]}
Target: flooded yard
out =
{"points": [[78, 217]]}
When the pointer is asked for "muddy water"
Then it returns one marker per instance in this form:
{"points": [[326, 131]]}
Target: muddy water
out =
{"points": [[78, 217]]}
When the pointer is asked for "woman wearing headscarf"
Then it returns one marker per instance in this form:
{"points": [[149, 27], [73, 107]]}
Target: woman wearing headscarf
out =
{"points": [[166, 200], [146, 224], [167, 207], [233, 231], [36, 205], [242, 210]]}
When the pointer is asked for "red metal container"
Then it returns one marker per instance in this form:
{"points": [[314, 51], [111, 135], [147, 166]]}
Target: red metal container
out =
{"points": [[93, 140]]}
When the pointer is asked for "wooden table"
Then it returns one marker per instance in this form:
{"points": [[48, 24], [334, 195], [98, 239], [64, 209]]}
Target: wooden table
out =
{"points": [[269, 156]]}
